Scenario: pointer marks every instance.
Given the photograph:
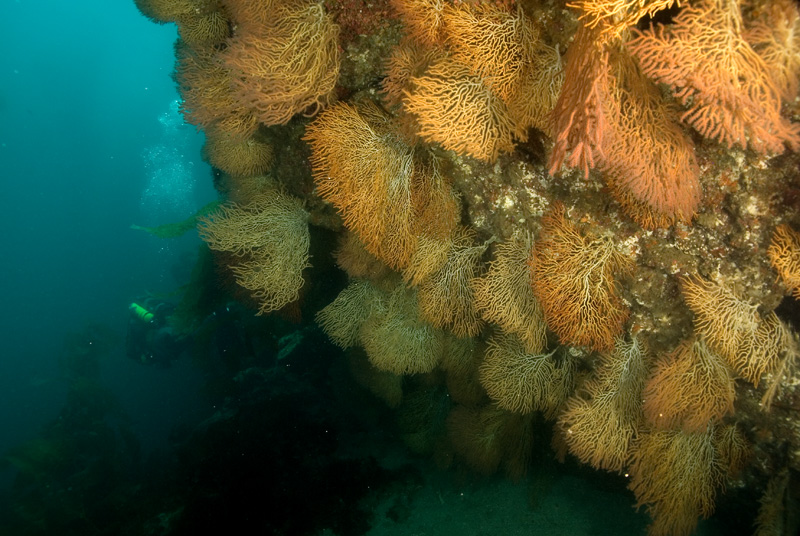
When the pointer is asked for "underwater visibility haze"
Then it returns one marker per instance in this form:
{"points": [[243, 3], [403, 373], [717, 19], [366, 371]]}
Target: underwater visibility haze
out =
{"points": [[400, 267]]}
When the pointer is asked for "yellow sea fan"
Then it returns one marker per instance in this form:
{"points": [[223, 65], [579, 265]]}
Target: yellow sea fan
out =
{"points": [[784, 255], [523, 382], [504, 295], [605, 415], [397, 340], [455, 108], [445, 296], [751, 343], [270, 237], [342, 319]]}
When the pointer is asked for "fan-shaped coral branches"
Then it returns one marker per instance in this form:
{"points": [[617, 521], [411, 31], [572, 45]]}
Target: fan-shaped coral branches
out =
{"points": [[784, 255], [602, 419], [524, 382], [372, 177], [285, 67], [750, 342], [476, 78], [270, 240], [456, 109], [573, 278], [504, 294], [728, 88], [677, 474], [690, 388]]}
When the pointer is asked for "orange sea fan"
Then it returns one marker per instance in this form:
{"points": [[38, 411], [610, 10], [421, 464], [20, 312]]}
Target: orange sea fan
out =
{"points": [[776, 38], [341, 320], [386, 386], [455, 108], [645, 153], [460, 361], [641, 212], [579, 118], [352, 257], [487, 437], [429, 255], [534, 96], [690, 388], [611, 117], [253, 16], [243, 189], [162, 11], [675, 475], [366, 171], [407, 61], [573, 278], [289, 67], [784, 255], [728, 88], [383, 191]]}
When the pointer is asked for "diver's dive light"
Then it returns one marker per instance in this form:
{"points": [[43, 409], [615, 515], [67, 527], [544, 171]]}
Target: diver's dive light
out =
{"points": [[143, 314]]}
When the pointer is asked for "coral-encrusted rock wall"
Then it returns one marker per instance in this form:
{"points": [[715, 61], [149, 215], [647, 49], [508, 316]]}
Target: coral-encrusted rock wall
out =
{"points": [[634, 158]]}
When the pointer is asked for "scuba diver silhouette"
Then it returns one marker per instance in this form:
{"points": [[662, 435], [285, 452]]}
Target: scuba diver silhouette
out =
{"points": [[151, 340]]}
